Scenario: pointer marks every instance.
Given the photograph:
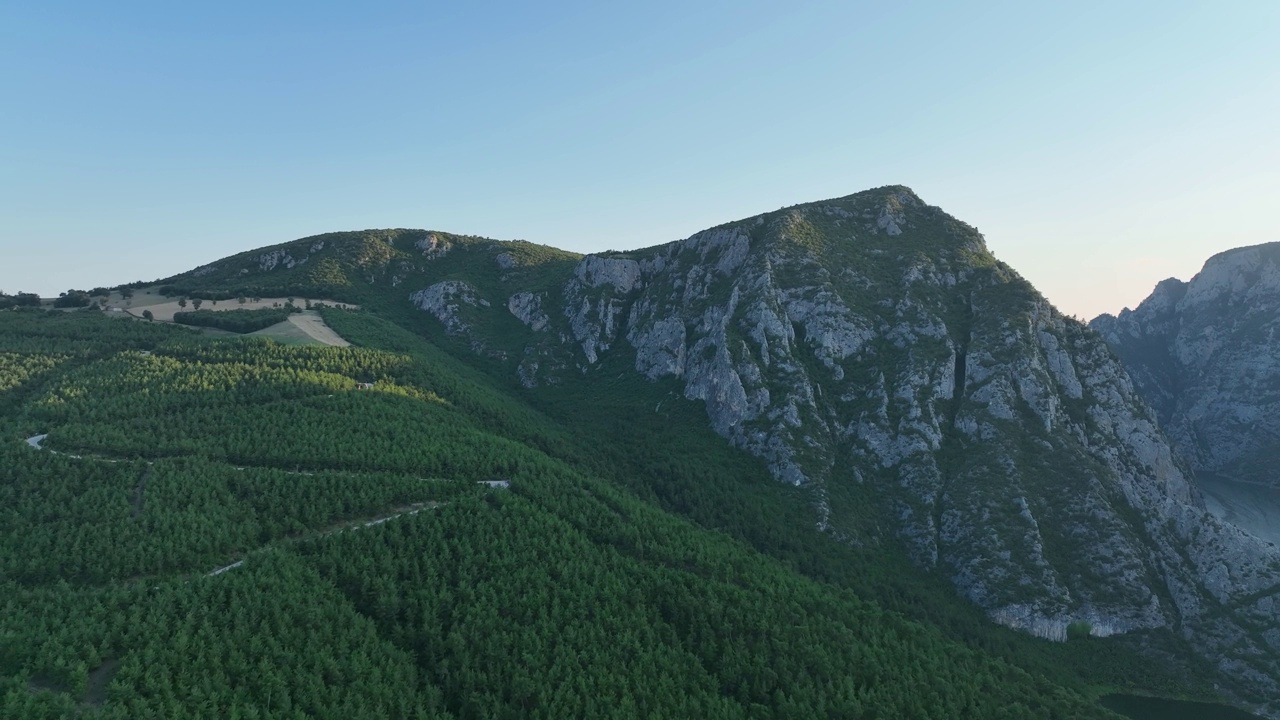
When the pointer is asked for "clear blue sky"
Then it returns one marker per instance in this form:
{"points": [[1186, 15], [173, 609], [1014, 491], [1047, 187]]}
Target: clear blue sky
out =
{"points": [[1099, 146]]}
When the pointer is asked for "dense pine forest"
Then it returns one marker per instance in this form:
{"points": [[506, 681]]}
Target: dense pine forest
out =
{"points": [[229, 527]]}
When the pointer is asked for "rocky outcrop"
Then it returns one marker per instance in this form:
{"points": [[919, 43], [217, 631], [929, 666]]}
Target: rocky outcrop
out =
{"points": [[278, 258], [445, 301], [527, 307], [594, 271], [595, 300], [1205, 354], [433, 246]]}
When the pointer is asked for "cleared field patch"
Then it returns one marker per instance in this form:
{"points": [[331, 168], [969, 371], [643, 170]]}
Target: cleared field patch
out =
{"points": [[313, 325], [304, 328], [286, 333]]}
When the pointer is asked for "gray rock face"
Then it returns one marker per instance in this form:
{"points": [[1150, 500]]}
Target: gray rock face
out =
{"points": [[660, 349], [433, 246], [595, 300], [595, 271], [527, 307], [444, 300], [872, 351], [1206, 356], [279, 258]]}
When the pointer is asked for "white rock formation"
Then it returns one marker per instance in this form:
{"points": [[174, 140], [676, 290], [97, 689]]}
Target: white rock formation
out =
{"points": [[444, 300]]}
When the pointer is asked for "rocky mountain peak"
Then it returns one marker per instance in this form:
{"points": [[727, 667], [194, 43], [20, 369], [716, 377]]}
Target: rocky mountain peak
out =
{"points": [[1242, 275], [1206, 355], [1168, 293]]}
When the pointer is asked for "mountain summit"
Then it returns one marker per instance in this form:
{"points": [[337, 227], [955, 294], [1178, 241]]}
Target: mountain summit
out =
{"points": [[875, 354]]}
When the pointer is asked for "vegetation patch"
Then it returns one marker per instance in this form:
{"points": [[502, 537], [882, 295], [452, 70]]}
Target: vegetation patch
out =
{"points": [[236, 321]]}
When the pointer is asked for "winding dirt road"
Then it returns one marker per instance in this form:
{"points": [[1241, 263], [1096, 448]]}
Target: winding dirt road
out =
{"points": [[334, 530], [36, 440]]}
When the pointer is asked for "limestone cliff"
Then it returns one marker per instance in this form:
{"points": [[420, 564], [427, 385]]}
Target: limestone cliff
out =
{"points": [[873, 351]]}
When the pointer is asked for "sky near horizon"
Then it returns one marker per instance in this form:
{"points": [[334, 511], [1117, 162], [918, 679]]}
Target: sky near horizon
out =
{"points": [[1099, 147]]}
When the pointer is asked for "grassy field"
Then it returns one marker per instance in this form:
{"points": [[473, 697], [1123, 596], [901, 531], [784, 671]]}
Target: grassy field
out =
{"points": [[305, 328]]}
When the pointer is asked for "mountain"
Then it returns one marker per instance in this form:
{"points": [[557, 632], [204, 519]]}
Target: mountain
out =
{"points": [[913, 394], [1205, 356], [871, 350]]}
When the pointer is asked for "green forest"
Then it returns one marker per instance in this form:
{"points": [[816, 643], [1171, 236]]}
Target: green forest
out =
{"points": [[228, 527], [236, 321]]}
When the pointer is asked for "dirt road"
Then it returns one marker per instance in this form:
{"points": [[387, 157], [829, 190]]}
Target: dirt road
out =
{"points": [[340, 527]]}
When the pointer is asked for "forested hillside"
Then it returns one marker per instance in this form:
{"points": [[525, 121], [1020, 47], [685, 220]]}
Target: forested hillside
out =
{"points": [[378, 578]]}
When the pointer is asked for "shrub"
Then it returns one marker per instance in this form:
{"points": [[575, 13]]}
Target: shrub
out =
{"points": [[1079, 629], [73, 298]]}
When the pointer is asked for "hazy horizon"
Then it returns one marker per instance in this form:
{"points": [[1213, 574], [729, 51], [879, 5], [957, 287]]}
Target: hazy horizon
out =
{"points": [[1100, 149]]}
